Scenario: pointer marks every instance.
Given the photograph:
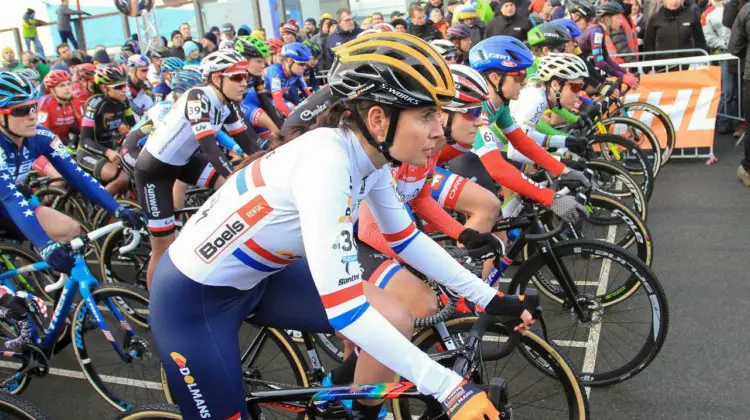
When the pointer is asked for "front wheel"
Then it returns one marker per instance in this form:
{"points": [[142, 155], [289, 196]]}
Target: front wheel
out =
{"points": [[153, 412], [114, 346], [625, 313], [533, 393], [15, 408]]}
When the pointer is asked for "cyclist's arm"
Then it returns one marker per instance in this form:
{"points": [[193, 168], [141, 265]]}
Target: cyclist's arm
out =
{"points": [[417, 249], [569, 117], [508, 175], [129, 115], [451, 152], [266, 102], [277, 92], [245, 136], [20, 212], [433, 212], [525, 145], [59, 157], [88, 127], [322, 196], [198, 114], [602, 60]]}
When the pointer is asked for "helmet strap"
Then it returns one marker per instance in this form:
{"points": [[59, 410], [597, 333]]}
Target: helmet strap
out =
{"points": [[449, 128], [220, 86], [499, 88], [383, 146], [559, 93]]}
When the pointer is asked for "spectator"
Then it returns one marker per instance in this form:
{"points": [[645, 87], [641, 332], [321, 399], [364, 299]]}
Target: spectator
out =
{"points": [[9, 60], [29, 31], [227, 31], [508, 22], [731, 10], [63, 22], [31, 61], [421, 26], [243, 30], [366, 23], [334, 26], [467, 15], [738, 42], [396, 15], [432, 5], [322, 35], [673, 27], [259, 33], [101, 57], [209, 42], [215, 30], [537, 6], [65, 55], [399, 25], [436, 16], [185, 31], [546, 12], [558, 11], [311, 29], [346, 31], [636, 15], [717, 38], [624, 40], [377, 17], [289, 32], [177, 41], [192, 52]]}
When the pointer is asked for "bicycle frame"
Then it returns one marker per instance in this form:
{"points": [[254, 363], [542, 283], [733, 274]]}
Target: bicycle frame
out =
{"points": [[81, 281]]}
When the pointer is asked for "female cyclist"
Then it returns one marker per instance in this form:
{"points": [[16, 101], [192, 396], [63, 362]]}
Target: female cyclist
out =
{"points": [[258, 105], [107, 118], [284, 80], [168, 66], [279, 235]]}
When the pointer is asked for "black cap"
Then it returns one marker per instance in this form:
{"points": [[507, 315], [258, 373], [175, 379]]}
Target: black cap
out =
{"points": [[211, 37], [311, 20], [101, 56]]}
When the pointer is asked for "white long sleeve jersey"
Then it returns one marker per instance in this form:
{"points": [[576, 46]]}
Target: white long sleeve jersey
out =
{"points": [[302, 199]]}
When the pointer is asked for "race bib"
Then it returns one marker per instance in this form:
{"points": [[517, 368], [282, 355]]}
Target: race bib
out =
{"points": [[194, 110], [42, 117], [598, 38]]}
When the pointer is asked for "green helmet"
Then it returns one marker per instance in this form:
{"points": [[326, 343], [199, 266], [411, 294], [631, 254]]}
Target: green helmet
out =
{"points": [[548, 34], [314, 48], [251, 47]]}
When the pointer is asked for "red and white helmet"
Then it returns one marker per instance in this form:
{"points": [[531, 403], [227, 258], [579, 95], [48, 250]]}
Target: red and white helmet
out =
{"points": [[226, 61], [471, 89]]}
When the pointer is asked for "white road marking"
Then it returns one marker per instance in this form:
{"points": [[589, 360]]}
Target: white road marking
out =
{"points": [[157, 386]]}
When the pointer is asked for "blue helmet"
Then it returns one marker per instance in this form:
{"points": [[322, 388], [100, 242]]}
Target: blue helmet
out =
{"points": [[568, 24], [137, 60], [171, 64], [183, 80], [296, 51], [16, 89], [501, 53]]}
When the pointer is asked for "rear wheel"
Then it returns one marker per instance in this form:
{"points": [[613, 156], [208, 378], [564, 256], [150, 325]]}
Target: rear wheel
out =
{"points": [[628, 155], [14, 408]]}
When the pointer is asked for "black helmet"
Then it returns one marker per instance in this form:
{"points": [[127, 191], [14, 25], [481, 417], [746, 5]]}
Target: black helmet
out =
{"points": [[159, 52], [581, 7], [609, 9], [548, 34]]}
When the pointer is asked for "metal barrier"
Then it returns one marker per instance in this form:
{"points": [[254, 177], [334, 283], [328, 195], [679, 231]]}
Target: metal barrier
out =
{"points": [[701, 60]]}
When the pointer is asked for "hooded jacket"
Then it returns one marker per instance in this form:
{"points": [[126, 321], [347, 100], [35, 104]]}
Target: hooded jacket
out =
{"points": [[427, 31]]}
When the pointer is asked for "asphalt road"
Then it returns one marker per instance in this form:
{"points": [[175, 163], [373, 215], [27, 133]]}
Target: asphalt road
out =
{"points": [[701, 257]]}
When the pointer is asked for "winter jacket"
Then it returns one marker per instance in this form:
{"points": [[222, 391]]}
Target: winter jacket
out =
{"points": [[334, 40], [738, 40], [624, 41], [516, 26], [674, 30], [716, 34], [426, 32]]}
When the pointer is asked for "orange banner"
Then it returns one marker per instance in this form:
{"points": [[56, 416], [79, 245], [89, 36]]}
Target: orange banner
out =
{"points": [[690, 97]]}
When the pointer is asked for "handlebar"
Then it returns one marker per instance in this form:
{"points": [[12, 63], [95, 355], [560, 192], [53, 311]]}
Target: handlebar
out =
{"points": [[80, 242]]}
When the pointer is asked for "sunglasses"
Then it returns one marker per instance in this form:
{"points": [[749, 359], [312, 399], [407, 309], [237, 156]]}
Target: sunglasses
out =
{"points": [[118, 87], [20, 111], [518, 75], [143, 70], [450, 57], [238, 77], [302, 63], [575, 87], [472, 113]]}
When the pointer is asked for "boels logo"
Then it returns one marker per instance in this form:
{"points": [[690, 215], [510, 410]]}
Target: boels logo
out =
{"points": [[200, 403]]}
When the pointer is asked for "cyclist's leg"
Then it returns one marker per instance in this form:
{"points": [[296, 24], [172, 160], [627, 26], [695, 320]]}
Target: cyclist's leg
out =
{"points": [[195, 330], [154, 181], [58, 226], [458, 193], [115, 179], [178, 192], [199, 172]]}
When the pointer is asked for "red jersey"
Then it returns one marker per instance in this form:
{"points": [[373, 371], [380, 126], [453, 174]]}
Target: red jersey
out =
{"points": [[80, 96], [59, 118]]}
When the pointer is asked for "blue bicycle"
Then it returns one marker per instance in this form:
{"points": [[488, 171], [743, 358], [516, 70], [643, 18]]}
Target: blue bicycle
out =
{"points": [[119, 362]]}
